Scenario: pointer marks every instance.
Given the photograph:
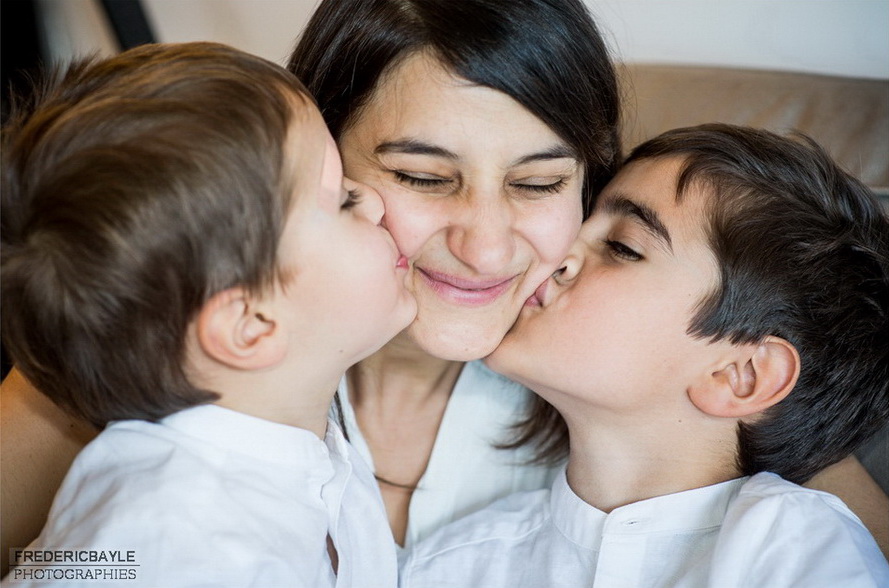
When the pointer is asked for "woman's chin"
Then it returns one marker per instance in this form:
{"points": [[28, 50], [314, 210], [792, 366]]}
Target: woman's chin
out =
{"points": [[456, 341]]}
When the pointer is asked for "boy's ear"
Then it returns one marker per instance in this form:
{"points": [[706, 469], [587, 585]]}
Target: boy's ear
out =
{"points": [[759, 376], [231, 331]]}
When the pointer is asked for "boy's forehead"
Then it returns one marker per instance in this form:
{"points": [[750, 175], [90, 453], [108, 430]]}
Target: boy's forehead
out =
{"points": [[304, 116], [651, 181], [652, 184], [307, 141], [660, 172]]}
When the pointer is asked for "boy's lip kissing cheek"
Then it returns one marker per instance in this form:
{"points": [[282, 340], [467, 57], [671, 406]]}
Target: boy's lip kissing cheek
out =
{"points": [[539, 296]]}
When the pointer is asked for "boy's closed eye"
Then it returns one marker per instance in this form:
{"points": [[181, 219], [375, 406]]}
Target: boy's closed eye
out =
{"points": [[621, 251], [352, 197], [622, 206]]}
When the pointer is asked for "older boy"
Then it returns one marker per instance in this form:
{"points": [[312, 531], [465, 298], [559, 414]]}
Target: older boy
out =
{"points": [[184, 262], [722, 318]]}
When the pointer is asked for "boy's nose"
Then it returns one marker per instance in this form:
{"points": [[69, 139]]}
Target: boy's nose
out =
{"points": [[371, 202], [571, 266]]}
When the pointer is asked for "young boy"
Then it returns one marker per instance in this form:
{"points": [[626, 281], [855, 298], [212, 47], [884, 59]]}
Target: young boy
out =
{"points": [[721, 319], [184, 263]]}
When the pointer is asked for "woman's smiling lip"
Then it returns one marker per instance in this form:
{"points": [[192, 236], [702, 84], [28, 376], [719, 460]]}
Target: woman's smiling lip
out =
{"points": [[463, 291]]}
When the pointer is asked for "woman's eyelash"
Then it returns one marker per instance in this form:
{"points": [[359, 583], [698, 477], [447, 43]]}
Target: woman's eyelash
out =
{"points": [[621, 251], [352, 198], [543, 188], [552, 188], [418, 182]]}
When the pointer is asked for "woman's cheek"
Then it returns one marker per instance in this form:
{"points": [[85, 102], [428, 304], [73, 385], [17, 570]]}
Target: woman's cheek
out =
{"points": [[407, 220], [410, 230], [551, 232], [404, 216]]}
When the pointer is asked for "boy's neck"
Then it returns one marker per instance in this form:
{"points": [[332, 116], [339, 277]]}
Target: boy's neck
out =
{"points": [[303, 408], [615, 460], [296, 393]]}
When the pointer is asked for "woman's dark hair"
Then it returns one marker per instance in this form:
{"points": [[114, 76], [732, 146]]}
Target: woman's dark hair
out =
{"points": [[803, 251], [133, 189], [548, 55]]}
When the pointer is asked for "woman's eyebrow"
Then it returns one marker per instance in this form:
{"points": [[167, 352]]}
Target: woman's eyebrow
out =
{"points": [[620, 204], [554, 152], [414, 147]]}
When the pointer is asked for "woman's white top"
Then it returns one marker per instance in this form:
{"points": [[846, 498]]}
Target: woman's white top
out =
{"points": [[758, 531], [213, 497], [465, 471]]}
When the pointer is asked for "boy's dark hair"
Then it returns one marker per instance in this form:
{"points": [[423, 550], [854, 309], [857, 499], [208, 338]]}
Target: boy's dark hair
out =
{"points": [[803, 251], [133, 189], [547, 55]]}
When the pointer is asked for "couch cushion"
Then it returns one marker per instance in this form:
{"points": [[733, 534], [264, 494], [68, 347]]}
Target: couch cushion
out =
{"points": [[848, 116]]}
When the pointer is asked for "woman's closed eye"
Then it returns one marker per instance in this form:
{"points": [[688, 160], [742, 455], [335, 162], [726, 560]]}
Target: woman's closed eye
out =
{"points": [[420, 180], [544, 187], [621, 251]]}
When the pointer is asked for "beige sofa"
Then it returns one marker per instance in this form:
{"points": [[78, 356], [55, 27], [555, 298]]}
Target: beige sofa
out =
{"points": [[848, 116]]}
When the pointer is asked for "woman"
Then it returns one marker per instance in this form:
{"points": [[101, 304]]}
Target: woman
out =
{"points": [[458, 113], [487, 126]]}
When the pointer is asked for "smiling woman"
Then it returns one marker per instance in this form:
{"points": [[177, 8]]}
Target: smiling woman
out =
{"points": [[484, 208]]}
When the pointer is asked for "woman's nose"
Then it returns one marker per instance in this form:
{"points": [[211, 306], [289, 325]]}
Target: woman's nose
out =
{"points": [[483, 236]]}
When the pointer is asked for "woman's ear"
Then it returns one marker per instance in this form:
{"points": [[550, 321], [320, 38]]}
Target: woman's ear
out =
{"points": [[759, 375], [232, 331]]}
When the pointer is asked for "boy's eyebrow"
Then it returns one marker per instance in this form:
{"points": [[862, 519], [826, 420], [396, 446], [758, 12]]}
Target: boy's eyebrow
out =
{"points": [[622, 205], [414, 147]]}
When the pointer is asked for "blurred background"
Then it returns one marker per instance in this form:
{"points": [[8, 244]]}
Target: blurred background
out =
{"points": [[840, 37], [835, 37]]}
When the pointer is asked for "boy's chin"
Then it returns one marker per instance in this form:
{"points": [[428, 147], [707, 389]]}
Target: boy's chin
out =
{"points": [[493, 364], [506, 357]]}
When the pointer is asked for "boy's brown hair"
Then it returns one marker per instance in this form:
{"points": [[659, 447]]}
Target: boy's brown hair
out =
{"points": [[133, 189]]}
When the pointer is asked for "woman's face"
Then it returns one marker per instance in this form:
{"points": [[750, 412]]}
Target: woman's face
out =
{"points": [[482, 197]]}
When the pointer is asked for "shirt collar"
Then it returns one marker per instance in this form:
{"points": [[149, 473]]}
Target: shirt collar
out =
{"points": [[256, 438], [586, 525]]}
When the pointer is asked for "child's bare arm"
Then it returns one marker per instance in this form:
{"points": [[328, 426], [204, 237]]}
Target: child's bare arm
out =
{"points": [[38, 442], [850, 481]]}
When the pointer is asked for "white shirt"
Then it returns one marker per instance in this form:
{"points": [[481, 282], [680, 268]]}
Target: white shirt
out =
{"points": [[213, 497], [750, 532], [465, 471]]}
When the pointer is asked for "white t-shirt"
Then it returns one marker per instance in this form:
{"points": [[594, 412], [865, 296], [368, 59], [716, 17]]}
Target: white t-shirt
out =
{"points": [[751, 532], [213, 497], [465, 471]]}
